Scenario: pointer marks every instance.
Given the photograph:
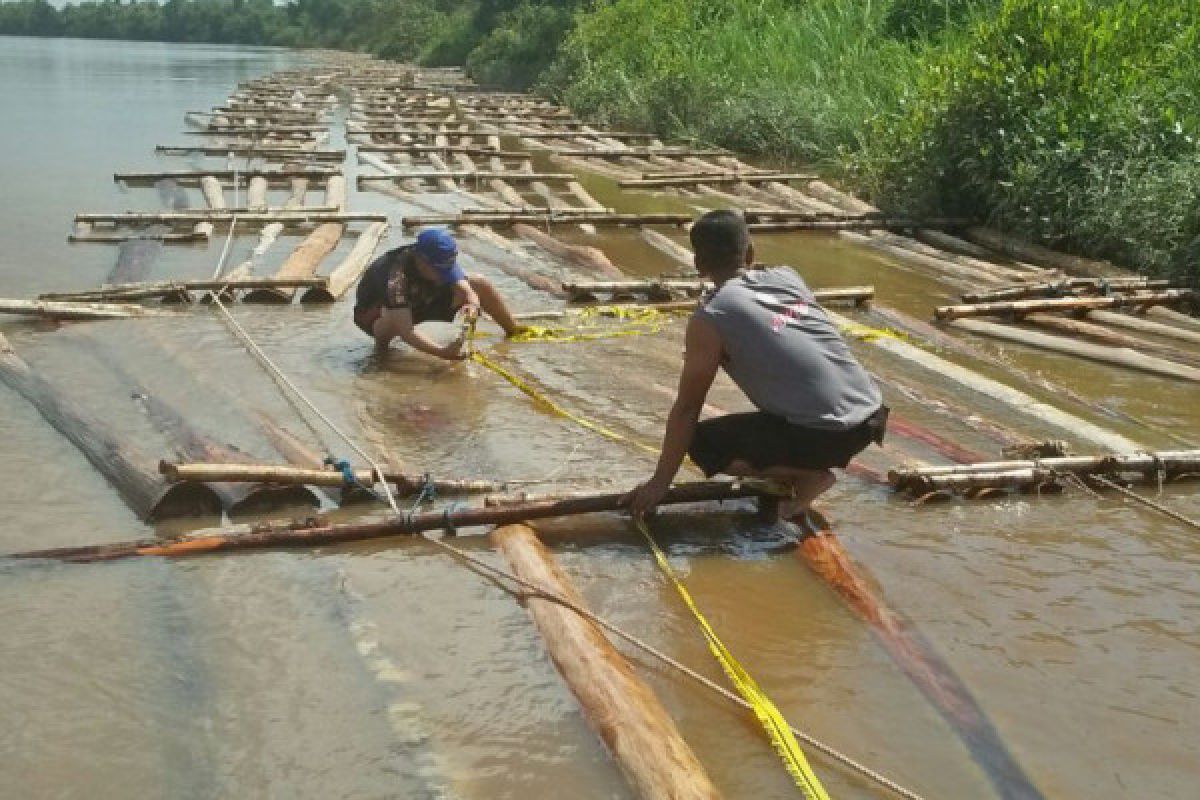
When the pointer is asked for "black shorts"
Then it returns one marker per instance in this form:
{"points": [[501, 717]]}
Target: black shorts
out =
{"points": [[440, 307], [764, 440]]}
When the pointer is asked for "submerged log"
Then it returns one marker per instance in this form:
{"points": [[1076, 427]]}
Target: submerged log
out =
{"points": [[1018, 308], [135, 258], [621, 708], [1106, 336], [347, 273], [1120, 356], [1027, 251], [586, 257], [319, 533], [1142, 325], [824, 554], [1068, 424], [130, 471], [214, 195]]}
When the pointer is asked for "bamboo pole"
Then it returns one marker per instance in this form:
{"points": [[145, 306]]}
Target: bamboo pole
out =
{"points": [[272, 153], [1119, 356], [1169, 463], [320, 533], [129, 470], [347, 273], [285, 216], [140, 291], [76, 311], [487, 217], [1068, 286], [1021, 307], [622, 709], [226, 472]]}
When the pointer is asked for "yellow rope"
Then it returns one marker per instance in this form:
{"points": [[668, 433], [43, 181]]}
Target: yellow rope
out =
{"points": [[769, 716]]}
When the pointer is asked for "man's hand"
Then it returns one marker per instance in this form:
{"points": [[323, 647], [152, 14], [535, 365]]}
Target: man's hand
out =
{"points": [[454, 351], [645, 497]]}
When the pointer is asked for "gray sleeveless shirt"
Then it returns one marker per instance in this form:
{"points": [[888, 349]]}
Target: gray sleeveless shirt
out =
{"points": [[785, 353]]}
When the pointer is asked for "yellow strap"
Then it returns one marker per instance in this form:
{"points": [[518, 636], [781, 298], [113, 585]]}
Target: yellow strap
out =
{"points": [[777, 728]]}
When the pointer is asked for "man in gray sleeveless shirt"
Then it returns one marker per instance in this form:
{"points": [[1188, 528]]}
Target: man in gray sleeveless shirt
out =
{"points": [[818, 407]]}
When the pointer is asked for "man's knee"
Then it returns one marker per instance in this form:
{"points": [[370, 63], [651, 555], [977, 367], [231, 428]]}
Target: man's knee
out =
{"points": [[478, 282]]}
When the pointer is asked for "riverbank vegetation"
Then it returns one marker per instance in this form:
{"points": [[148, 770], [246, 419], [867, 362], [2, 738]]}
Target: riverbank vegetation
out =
{"points": [[1072, 122]]}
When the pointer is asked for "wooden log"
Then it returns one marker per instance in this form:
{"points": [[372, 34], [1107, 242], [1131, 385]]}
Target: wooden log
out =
{"points": [[586, 257], [199, 233], [1106, 336], [1119, 356], [1143, 325], [1068, 424], [214, 195], [465, 149], [1036, 254], [76, 311], [335, 192], [1021, 307], [823, 553], [321, 533], [508, 194], [347, 273], [256, 194], [136, 258], [1171, 316], [511, 176], [612, 152], [130, 471], [302, 263], [621, 708]]}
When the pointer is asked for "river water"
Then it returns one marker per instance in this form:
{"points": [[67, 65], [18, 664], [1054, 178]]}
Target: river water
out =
{"points": [[388, 670]]}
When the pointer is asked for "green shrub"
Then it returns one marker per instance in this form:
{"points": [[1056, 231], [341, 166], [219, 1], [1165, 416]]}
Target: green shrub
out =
{"points": [[1075, 122], [522, 45]]}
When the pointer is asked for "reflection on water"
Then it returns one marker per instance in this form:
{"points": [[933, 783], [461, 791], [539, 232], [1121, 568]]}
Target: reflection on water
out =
{"points": [[386, 670]]}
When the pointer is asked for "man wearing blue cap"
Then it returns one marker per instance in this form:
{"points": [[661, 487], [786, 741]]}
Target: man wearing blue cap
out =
{"points": [[419, 282]]}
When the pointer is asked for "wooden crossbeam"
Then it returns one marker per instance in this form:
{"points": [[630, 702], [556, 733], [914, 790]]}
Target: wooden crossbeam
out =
{"points": [[189, 177], [272, 153], [697, 180], [512, 176], [127, 292], [285, 217], [637, 152], [553, 217]]}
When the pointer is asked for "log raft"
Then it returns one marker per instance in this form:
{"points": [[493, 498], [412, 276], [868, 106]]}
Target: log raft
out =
{"points": [[1018, 308], [130, 471], [628, 717]]}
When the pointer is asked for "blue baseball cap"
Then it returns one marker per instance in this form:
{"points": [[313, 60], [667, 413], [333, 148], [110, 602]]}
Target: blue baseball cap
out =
{"points": [[437, 246]]}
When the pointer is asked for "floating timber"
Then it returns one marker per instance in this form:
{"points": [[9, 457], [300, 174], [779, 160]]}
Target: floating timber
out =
{"points": [[1030, 473], [1018, 308], [320, 533], [130, 471], [347, 273], [622, 709], [1119, 356], [76, 311], [243, 151]]}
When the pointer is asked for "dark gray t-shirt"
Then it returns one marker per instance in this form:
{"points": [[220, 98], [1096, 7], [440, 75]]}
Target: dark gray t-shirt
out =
{"points": [[785, 353]]}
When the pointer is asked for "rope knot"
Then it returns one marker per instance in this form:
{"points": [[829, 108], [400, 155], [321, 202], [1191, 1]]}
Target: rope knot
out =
{"points": [[343, 466]]}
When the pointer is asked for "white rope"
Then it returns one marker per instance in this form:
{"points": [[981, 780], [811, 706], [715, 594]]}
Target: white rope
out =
{"points": [[225, 250]]}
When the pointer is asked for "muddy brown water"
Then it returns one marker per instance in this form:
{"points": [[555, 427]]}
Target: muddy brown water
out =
{"points": [[387, 670]]}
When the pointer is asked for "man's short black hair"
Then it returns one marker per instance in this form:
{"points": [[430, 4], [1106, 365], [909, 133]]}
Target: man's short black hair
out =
{"points": [[720, 240]]}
